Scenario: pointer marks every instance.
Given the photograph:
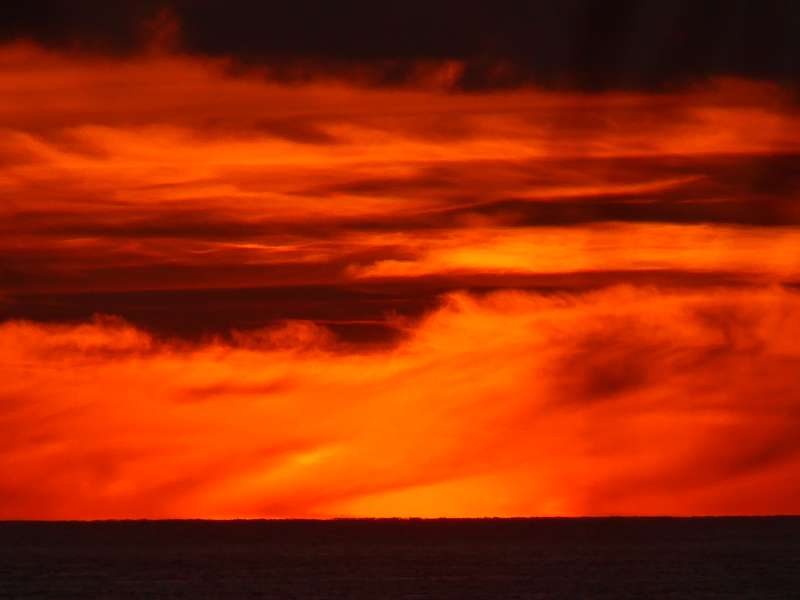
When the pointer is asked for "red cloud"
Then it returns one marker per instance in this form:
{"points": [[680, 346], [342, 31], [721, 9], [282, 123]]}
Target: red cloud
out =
{"points": [[622, 401]]}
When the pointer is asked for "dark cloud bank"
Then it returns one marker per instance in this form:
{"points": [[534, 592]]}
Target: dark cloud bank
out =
{"points": [[583, 44]]}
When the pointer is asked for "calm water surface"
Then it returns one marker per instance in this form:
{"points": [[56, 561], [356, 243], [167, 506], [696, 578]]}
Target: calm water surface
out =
{"points": [[755, 558]]}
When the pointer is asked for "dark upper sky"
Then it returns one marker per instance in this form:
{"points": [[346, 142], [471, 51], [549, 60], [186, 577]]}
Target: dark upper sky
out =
{"points": [[644, 44]]}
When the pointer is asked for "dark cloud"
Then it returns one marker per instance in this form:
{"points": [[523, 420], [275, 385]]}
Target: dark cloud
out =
{"points": [[588, 44], [122, 269], [735, 189], [601, 371], [297, 130], [117, 27], [584, 44], [354, 314], [362, 313], [210, 392]]}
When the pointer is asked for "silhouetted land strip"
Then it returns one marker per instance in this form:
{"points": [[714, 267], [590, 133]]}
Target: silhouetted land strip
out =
{"points": [[752, 557]]}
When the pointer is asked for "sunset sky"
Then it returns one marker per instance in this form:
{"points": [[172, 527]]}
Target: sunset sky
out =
{"points": [[399, 259]]}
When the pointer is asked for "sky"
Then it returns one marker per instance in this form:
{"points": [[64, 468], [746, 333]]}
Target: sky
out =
{"points": [[406, 259]]}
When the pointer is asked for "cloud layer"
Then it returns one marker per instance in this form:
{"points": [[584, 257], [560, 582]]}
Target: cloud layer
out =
{"points": [[625, 401], [163, 171], [238, 280]]}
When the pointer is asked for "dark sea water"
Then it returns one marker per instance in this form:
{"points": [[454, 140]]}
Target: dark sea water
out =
{"points": [[755, 558]]}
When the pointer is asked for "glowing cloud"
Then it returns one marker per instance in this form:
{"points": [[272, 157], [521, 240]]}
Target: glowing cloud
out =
{"points": [[622, 401], [486, 231]]}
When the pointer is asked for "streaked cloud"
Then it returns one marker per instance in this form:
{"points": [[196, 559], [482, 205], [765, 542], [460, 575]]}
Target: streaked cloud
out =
{"points": [[625, 401], [227, 295]]}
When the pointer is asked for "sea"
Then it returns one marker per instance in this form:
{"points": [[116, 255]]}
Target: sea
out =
{"points": [[541, 558]]}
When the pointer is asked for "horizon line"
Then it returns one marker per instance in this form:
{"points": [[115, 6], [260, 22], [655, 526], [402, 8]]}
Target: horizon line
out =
{"points": [[396, 519]]}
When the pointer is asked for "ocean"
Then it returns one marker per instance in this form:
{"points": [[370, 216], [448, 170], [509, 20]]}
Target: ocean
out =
{"points": [[588, 558]]}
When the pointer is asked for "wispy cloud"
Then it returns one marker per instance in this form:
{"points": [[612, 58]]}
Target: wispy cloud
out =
{"points": [[622, 401]]}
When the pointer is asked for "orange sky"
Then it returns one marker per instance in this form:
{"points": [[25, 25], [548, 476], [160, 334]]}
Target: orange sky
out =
{"points": [[588, 301]]}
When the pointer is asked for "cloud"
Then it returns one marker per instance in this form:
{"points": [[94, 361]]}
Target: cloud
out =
{"points": [[258, 262], [161, 170], [628, 400], [477, 47], [753, 252]]}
